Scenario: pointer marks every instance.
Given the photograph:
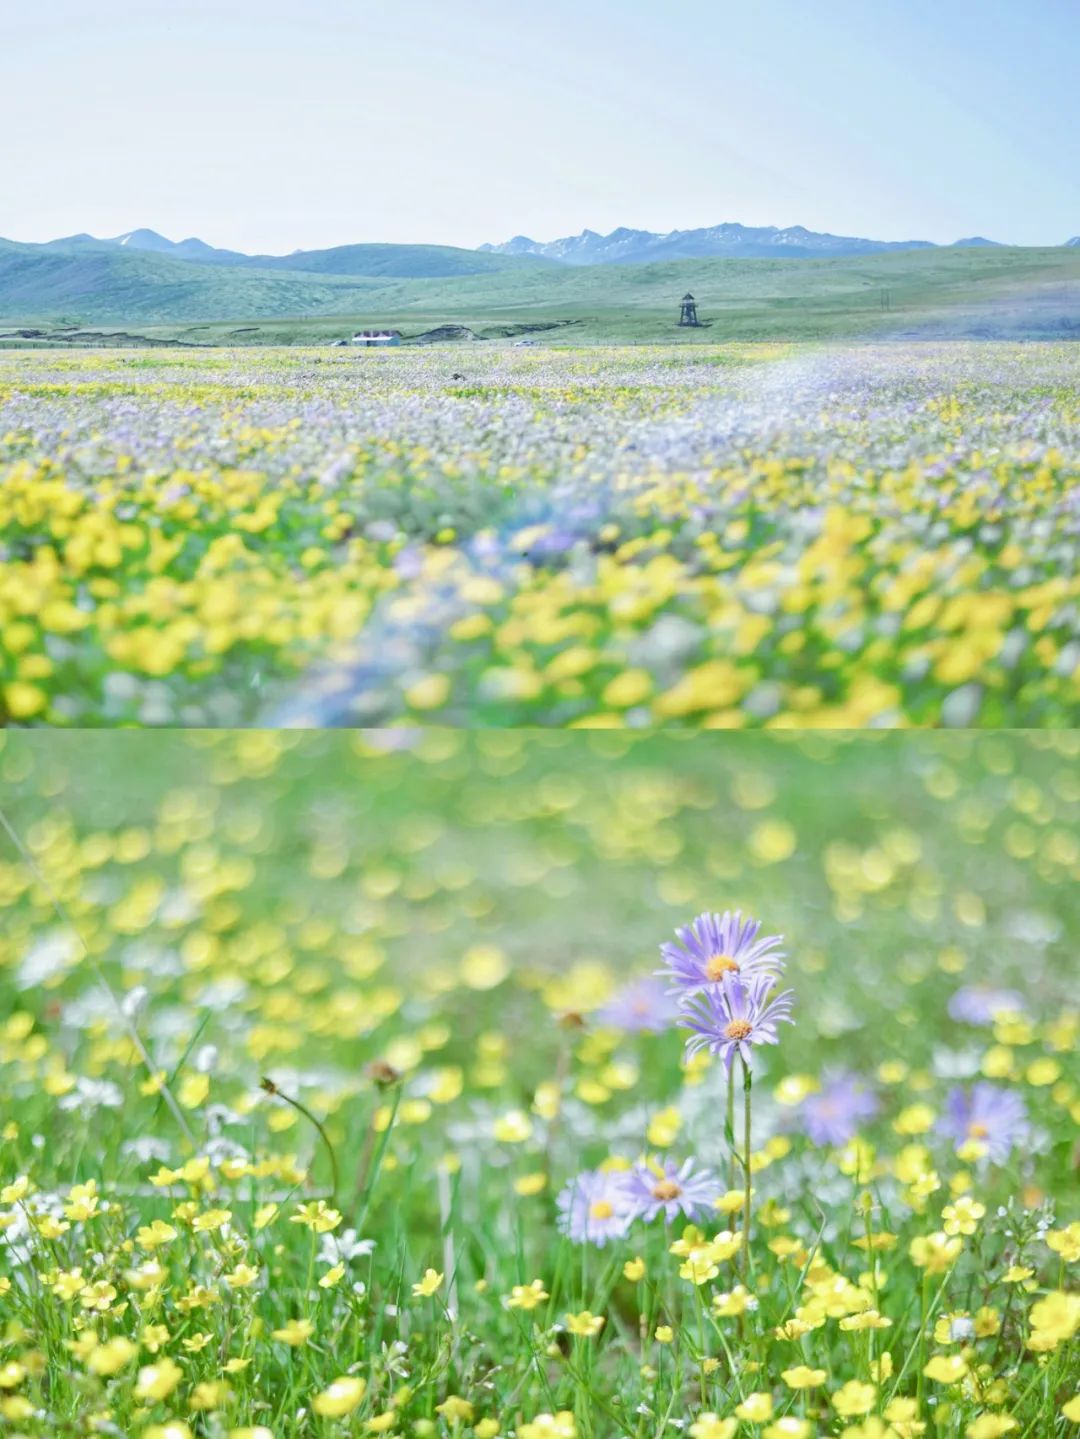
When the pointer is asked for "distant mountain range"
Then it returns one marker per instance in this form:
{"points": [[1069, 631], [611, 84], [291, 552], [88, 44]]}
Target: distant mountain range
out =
{"points": [[622, 247], [141, 277], [402, 261], [731, 241]]}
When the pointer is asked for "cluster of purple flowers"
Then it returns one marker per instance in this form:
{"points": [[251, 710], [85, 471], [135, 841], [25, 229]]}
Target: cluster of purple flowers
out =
{"points": [[722, 974], [986, 1120], [833, 1115], [600, 1204], [981, 1004]]}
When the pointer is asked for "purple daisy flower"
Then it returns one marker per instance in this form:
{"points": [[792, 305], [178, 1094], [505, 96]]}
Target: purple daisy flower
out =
{"points": [[718, 947], [834, 1114], [988, 1115], [595, 1207], [642, 1006], [981, 1004], [729, 1019], [674, 1188]]}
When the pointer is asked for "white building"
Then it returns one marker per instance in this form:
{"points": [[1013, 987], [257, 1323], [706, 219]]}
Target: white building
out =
{"points": [[376, 339]]}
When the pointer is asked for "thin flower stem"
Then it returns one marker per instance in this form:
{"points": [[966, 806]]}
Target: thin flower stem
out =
{"points": [[746, 1166], [731, 1126], [271, 1088]]}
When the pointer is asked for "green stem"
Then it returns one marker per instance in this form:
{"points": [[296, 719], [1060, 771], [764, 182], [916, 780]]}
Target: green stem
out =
{"points": [[731, 1126], [746, 1176], [271, 1088]]}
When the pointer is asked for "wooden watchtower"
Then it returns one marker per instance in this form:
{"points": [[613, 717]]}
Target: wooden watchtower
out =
{"points": [[688, 314]]}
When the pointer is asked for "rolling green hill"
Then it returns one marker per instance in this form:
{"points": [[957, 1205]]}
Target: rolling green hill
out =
{"points": [[100, 283], [979, 291]]}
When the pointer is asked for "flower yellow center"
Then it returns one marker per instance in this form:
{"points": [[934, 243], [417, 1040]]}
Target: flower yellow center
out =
{"points": [[977, 1131], [719, 965], [666, 1189], [739, 1029], [602, 1209]]}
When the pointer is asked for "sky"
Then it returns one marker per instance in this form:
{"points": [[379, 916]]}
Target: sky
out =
{"points": [[274, 125]]}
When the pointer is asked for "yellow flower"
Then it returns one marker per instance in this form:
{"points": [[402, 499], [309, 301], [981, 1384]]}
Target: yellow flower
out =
{"points": [[152, 1236], [916, 1119], [193, 1090], [341, 1397], [881, 1368], [171, 1429], [789, 1427], [549, 1426], [1054, 1320], [946, 1368], [1065, 1242], [728, 1306], [333, 1276], [868, 1319], [935, 1252], [527, 1296], [211, 1220], [157, 1381], [663, 1128], [317, 1216], [585, 1324], [380, 1423], [854, 1398], [634, 1269], [428, 693], [711, 1426], [82, 1201], [963, 1216], [427, 1286], [455, 1408], [97, 1296], [208, 1395], [664, 1334], [295, 1332], [112, 1356], [903, 1415], [242, 1277], [1071, 1409], [514, 1127], [1017, 1274], [755, 1408], [264, 1214], [529, 1184], [803, 1377], [16, 1190], [990, 1426]]}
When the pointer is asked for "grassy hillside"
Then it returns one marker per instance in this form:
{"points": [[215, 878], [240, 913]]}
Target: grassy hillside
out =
{"points": [[101, 283], [975, 292]]}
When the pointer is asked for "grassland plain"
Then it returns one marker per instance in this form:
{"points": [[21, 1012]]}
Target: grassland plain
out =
{"points": [[389, 1237], [725, 536], [997, 292]]}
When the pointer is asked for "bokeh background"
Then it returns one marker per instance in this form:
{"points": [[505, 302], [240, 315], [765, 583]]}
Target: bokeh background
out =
{"points": [[309, 903]]}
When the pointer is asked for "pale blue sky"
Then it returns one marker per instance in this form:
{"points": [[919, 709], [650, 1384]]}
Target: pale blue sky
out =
{"points": [[261, 124]]}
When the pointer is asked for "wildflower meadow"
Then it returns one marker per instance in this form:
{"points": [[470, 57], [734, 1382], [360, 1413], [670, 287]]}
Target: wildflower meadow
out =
{"points": [[461, 1085], [721, 536]]}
